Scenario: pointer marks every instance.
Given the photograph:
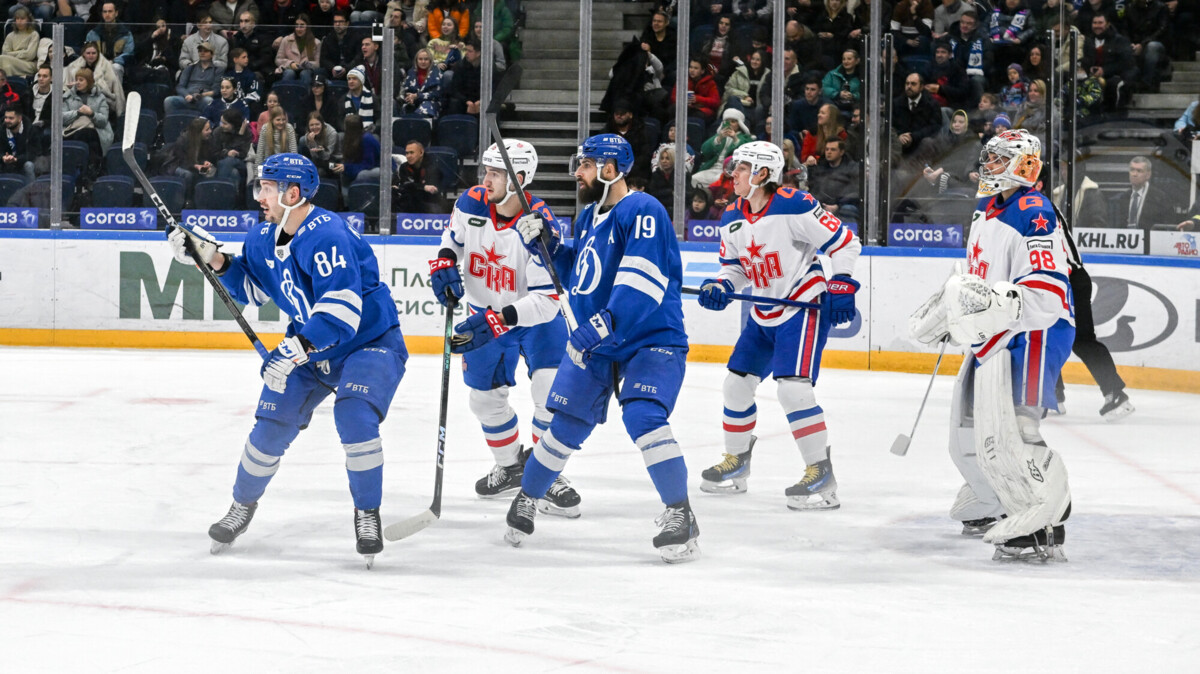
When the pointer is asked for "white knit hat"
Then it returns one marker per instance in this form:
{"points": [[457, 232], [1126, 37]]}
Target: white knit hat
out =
{"points": [[359, 73]]}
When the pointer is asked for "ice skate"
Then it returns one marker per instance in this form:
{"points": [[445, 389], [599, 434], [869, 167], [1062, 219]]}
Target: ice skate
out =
{"points": [[729, 476], [978, 527], [520, 518], [560, 500], [229, 527], [366, 528], [502, 479], [1116, 406], [676, 542], [817, 490], [1043, 545]]}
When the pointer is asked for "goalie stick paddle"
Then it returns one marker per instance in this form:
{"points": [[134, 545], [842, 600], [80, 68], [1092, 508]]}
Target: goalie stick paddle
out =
{"points": [[410, 526], [760, 300], [900, 444], [133, 107]]}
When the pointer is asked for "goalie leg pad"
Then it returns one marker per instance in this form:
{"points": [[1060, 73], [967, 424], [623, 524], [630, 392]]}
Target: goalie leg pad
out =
{"points": [[1030, 480], [976, 499]]}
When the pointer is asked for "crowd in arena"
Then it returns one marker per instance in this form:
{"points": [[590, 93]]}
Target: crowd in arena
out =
{"points": [[227, 83]]}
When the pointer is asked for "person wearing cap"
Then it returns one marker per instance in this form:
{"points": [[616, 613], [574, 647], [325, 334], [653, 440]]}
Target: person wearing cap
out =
{"points": [[733, 134], [204, 33], [359, 100], [320, 99], [948, 84], [624, 122], [1013, 94], [197, 85]]}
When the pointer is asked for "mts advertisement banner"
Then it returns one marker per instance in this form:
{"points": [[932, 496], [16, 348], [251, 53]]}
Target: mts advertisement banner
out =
{"points": [[23, 218], [221, 221], [915, 235], [118, 218]]}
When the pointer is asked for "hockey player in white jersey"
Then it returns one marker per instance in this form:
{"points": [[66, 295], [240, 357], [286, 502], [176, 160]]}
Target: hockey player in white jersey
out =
{"points": [[513, 313], [770, 239], [1014, 309], [343, 337]]}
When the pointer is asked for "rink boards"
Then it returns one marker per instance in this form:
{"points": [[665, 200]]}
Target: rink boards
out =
{"points": [[123, 289]]}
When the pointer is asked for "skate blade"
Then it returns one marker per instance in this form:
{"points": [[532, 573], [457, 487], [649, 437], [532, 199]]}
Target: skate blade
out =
{"points": [[507, 493], [1119, 413], [976, 531], [678, 554], [515, 537], [370, 560], [1042, 554], [736, 485], [218, 547], [814, 502], [549, 508]]}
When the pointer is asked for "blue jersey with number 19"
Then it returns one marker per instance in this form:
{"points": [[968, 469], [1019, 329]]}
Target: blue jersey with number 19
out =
{"points": [[627, 261]]}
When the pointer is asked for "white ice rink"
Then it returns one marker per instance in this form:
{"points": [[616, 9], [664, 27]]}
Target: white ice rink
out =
{"points": [[113, 463]]}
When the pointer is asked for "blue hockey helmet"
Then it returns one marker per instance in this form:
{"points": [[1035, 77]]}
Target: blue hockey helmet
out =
{"points": [[291, 168], [603, 147]]}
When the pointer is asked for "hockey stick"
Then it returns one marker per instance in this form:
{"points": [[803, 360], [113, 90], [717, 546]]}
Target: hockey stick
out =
{"points": [[410, 526], [900, 444], [133, 107], [760, 300]]}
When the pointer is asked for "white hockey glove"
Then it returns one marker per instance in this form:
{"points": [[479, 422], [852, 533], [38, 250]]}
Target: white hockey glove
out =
{"points": [[928, 324], [976, 311], [530, 227], [291, 352], [183, 242]]}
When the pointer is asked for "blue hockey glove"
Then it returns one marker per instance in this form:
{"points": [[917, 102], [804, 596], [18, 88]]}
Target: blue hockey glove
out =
{"points": [[714, 294], [588, 336], [443, 276], [841, 291], [476, 331], [292, 351], [532, 228]]}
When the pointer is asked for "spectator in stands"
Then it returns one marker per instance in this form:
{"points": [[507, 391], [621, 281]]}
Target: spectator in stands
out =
{"points": [[947, 14], [829, 126], [367, 11], [321, 143], [43, 9], [1010, 23], [464, 91], [844, 85], [793, 86], [912, 25], [371, 63], [299, 53], [947, 83], [1089, 100], [320, 99], [499, 63], [1090, 9], [193, 155], [320, 18], [248, 85], [718, 50], [1187, 127], [750, 13], [1032, 115], [1090, 207], [38, 108], [105, 76], [232, 139], [1013, 95], [915, 116], [721, 189], [733, 134], [702, 95], [85, 116], [662, 176], [637, 76], [225, 14], [801, 40], [742, 89], [504, 27], [228, 99], [415, 183], [1107, 54], [8, 96], [19, 57], [115, 39], [973, 50], [1181, 31], [439, 10], [1147, 24], [197, 84], [626, 123], [339, 47], [955, 152], [281, 15], [700, 206], [16, 156], [360, 155], [1035, 66], [359, 100], [802, 113], [833, 28], [422, 91], [256, 42], [264, 118], [204, 33], [405, 40], [1143, 204], [439, 48], [276, 137], [659, 38], [834, 181], [156, 56]]}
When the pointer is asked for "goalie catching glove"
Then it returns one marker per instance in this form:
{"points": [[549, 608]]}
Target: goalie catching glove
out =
{"points": [[975, 311], [184, 241], [291, 352]]}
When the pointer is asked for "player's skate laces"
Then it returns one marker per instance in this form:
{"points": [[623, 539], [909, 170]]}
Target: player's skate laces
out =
{"points": [[676, 541], [1043, 545], [520, 518], [366, 528], [817, 490], [728, 476], [229, 527], [561, 499], [502, 479], [1116, 406]]}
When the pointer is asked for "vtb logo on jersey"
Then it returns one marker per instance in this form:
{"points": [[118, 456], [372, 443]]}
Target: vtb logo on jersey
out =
{"points": [[765, 269], [975, 265], [487, 266]]}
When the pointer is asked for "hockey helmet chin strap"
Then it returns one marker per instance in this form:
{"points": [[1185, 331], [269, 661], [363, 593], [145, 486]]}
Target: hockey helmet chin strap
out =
{"points": [[509, 192], [607, 183], [754, 186], [287, 210]]}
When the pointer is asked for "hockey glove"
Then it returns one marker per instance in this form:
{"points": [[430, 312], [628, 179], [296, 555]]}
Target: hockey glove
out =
{"points": [[532, 228], [714, 294], [588, 336], [444, 276], [183, 242], [476, 331], [292, 351], [841, 291], [976, 311]]}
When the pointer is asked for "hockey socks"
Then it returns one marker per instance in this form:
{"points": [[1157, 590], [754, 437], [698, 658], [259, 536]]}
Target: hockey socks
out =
{"points": [[499, 423], [358, 425], [740, 411], [806, 419], [664, 462], [547, 461], [268, 440]]}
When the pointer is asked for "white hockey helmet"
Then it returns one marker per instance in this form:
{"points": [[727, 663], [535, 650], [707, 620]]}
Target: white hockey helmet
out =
{"points": [[524, 160], [1021, 153], [759, 155]]}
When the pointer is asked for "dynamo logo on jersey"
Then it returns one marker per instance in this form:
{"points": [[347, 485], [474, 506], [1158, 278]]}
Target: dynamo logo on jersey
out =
{"points": [[23, 218], [356, 221], [587, 269], [220, 221], [118, 218], [419, 224]]}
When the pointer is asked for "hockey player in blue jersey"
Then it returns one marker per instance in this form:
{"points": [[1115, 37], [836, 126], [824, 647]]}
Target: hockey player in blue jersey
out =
{"points": [[344, 338], [513, 314], [624, 286], [770, 239]]}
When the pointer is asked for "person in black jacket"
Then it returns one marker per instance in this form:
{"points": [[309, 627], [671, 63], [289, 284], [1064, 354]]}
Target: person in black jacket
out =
{"points": [[465, 88], [660, 37], [915, 115], [947, 83], [1147, 21], [256, 42], [14, 144], [339, 48], [1107, 54]]}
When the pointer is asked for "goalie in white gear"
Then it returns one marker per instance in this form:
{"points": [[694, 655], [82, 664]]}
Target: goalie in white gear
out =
{"points": [[513, 314], [1015, 310]]}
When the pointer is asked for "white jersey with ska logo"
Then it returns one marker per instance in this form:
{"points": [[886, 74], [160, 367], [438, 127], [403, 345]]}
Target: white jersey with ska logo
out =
{"points": [[774, 253]]}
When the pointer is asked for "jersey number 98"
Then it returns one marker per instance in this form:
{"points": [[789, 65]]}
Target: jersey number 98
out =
{"points": [[644, 229], [1041, 259], [324, 266]]}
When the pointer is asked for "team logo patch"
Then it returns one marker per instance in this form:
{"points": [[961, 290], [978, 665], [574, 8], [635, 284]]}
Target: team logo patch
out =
{"points": [[1034, 472]]}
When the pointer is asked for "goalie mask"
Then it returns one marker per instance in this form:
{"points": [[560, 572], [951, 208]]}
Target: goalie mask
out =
{"points": [[524, 160], [1019, 152]]}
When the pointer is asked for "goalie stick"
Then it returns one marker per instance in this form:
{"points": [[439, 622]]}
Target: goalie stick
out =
{"points": [[133, 106], [759, 300], [900, 444]]}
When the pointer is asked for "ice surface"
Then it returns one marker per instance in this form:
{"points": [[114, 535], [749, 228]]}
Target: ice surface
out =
{"points": [[113, 464]]}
